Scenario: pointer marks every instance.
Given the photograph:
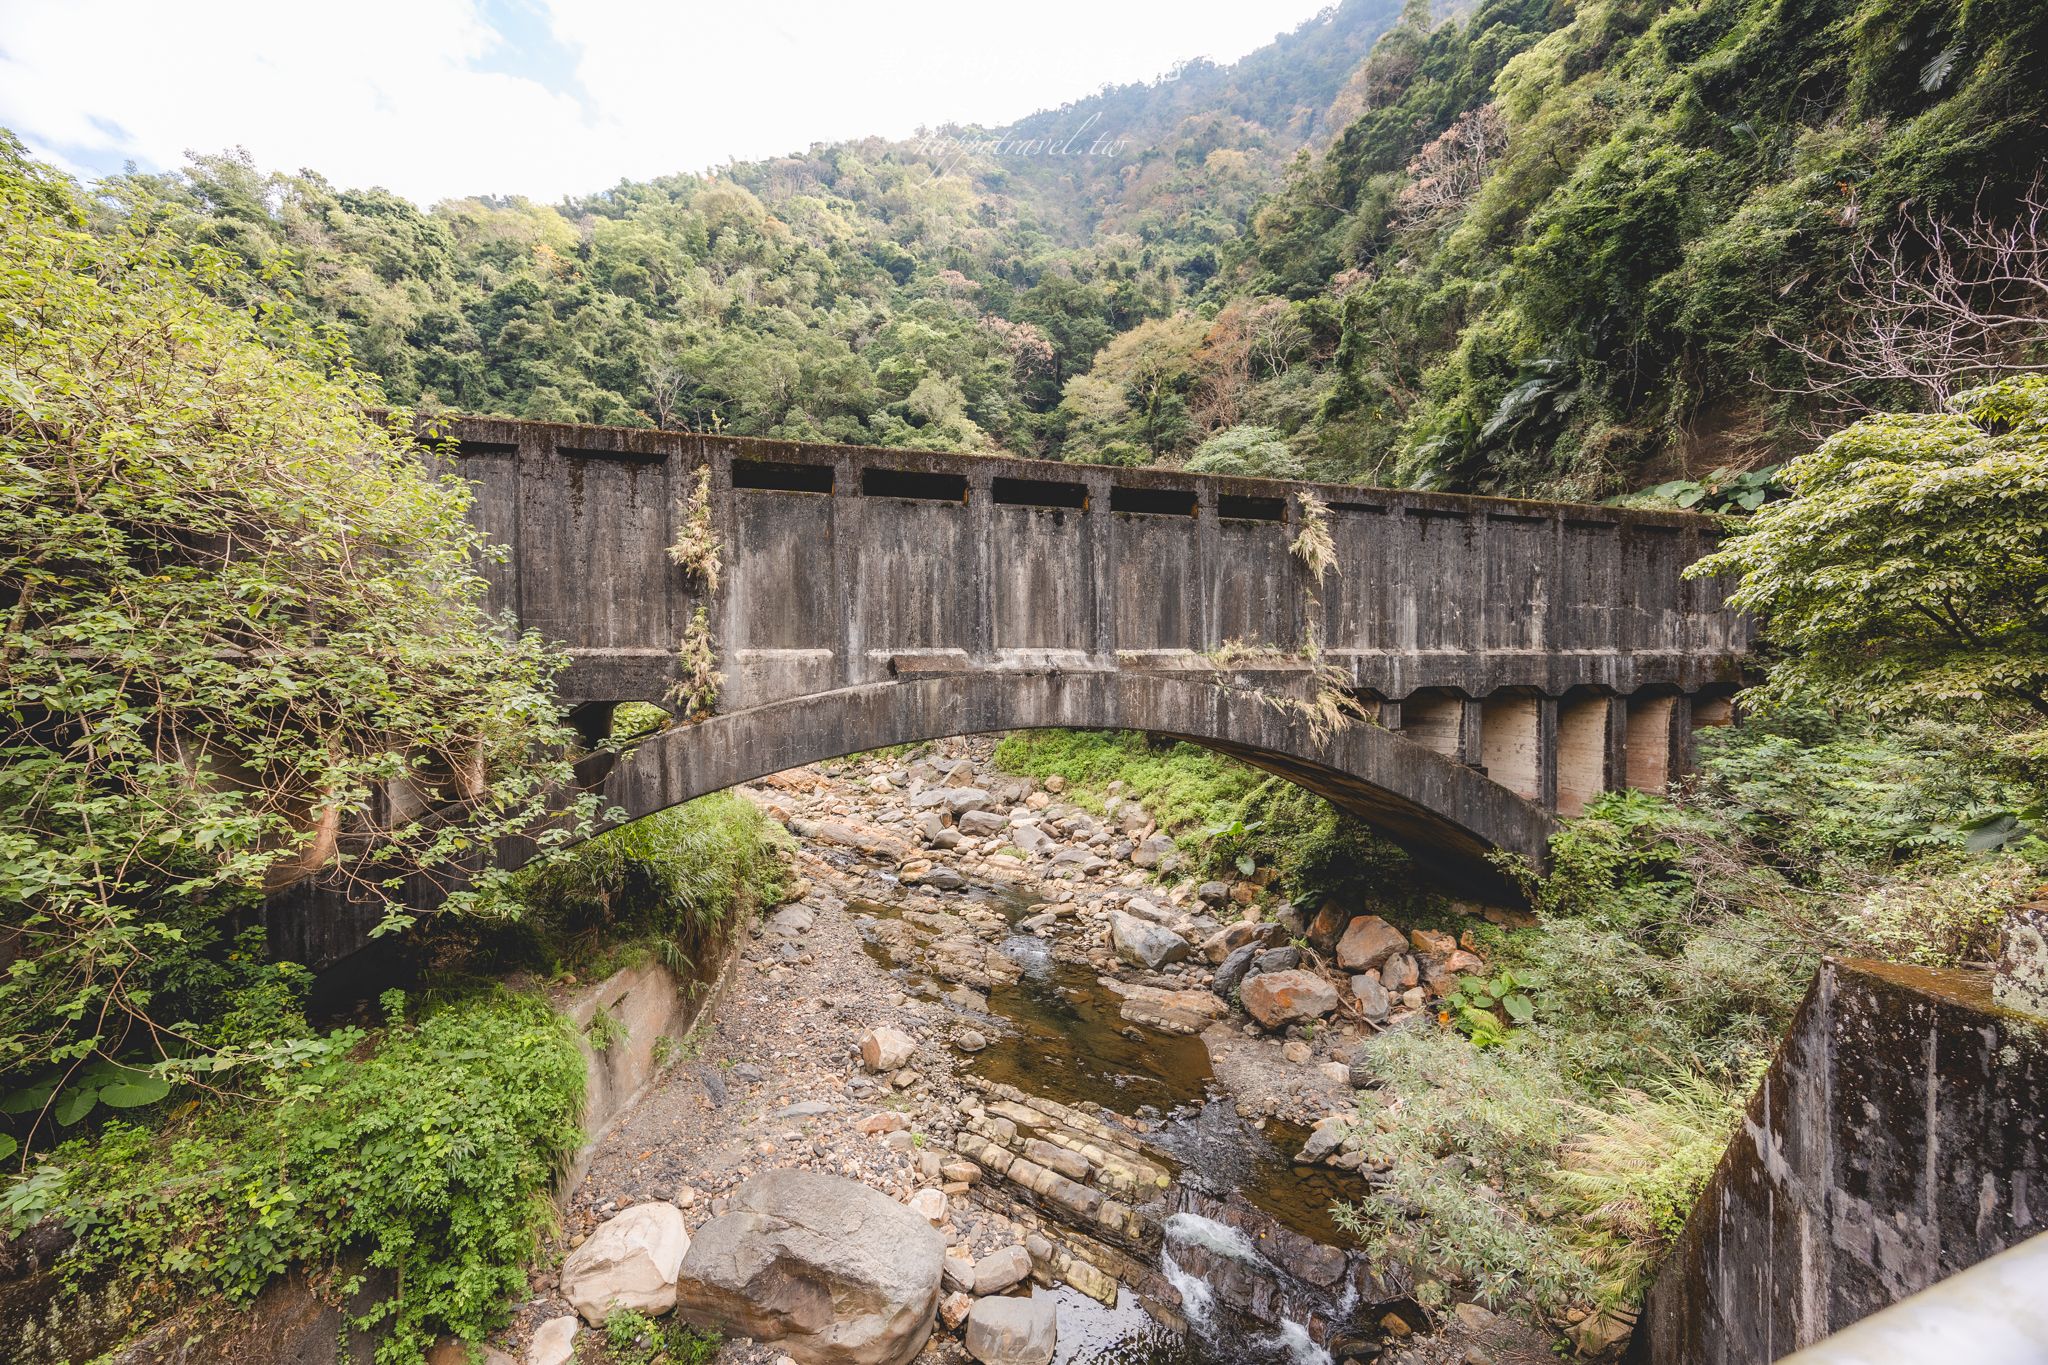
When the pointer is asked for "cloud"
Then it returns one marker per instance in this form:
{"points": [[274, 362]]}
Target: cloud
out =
{"points": [[438, 98]]}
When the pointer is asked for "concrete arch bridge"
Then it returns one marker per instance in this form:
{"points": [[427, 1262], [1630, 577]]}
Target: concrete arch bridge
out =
{"points": [[1519, 657]]}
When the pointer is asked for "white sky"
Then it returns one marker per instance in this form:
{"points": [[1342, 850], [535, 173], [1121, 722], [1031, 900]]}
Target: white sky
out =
{"points": [[438, 98]]}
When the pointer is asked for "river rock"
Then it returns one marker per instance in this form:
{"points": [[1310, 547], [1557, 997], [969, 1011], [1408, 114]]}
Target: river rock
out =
{"points": [[1157, 851], [629, 1262], [1433, 942], [1230, 973], [1328, 924], [1372, 997], [983, 823], [886, 1049], [1276, 960], [999, 1270], [1213, 893], [1184, 1012], [1144, 944], [1013, 1331], [1277, 999], [1231, 937], [830, 1271], [1322, 1142], [554, 1341], [1367, 943], [1399, 973], [1031, 840]]}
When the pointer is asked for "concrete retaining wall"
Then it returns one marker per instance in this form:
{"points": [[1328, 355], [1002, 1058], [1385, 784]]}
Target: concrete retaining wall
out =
{"points": [[1901, 1135]]}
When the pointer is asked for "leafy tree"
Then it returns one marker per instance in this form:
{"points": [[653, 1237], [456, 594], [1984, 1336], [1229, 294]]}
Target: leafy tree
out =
{"points": [[1258, 451], [240, 613], [1909, 570]]}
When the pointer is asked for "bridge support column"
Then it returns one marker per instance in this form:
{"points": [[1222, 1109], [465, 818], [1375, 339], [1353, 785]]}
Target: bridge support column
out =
{"points": [[1471, 733], [1588, 758], [1512, 745], [1650, 742]]}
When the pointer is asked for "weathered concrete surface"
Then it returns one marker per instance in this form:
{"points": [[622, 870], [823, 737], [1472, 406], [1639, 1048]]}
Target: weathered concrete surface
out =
{"points": [[1899, 1136]]}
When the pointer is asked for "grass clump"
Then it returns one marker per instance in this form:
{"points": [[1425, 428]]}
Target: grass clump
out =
{"points": [[633, 1338]]}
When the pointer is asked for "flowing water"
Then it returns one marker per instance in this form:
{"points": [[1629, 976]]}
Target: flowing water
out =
{"points": [[1057, 1033]]}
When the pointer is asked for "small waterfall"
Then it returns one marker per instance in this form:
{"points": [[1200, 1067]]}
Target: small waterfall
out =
{"points": [[1192, 1229], [1294, 1340], [1197, 1301]]}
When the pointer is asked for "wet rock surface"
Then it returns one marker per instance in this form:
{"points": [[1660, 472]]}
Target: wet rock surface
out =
{"points": [[984, 1010]]}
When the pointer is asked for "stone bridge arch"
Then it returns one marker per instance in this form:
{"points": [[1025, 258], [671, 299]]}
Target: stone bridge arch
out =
{"points": [[1446, 812]]}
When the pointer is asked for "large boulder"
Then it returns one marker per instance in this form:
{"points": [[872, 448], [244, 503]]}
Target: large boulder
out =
{"points": [[1143, 943], [629, 1262], [1013, 1331], [1368, 942], [830, 1271], [1277, 999]]}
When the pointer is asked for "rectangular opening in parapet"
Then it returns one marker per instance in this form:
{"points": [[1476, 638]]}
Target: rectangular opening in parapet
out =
{"points": [[1157, 502], [1040, 493], [1251, 509], [908, 483], [773, 476], [1357, 507], [486, 448]]}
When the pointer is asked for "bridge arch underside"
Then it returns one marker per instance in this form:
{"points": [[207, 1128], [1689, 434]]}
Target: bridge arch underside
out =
{"points": [[1450, 815]]}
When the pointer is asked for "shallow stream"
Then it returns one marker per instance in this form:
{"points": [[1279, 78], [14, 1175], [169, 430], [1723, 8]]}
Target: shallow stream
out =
{"points": [[1058, 1033]]}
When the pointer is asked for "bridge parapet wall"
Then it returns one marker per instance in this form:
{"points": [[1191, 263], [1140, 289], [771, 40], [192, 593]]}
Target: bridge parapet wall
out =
{"points": [[847, 565]]}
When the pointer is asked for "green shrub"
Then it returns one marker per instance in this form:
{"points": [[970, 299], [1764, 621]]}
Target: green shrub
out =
{"points": [[1227, 816], [425, 1149], [670, 883]]}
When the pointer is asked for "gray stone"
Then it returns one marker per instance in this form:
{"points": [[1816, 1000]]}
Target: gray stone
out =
{"points": [[1399, 972], [999, 1270], [1157, 851], [1276, 960], [1012, 1331], [1230, 973], [1143, 943], [1321, 1143], [1213, 893], [1372, 998], [982, 823], [827, 1270]]}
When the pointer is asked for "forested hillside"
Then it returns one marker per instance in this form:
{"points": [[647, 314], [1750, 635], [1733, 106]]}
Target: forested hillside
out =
{"points": [[1556, 247]]}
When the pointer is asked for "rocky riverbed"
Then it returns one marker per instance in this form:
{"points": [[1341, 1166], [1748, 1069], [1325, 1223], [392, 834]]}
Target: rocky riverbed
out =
{"points": [[996, 1085]]}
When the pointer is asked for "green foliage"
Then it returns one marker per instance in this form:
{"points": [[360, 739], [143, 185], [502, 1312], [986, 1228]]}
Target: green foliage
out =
{"points": [[1257, 451], [426, 1151], [682, 879], [237, 609], [1492, 1010], [1228, 816], [1676, 939], [1907, 572], [632, 1338], [605, 1030]]}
